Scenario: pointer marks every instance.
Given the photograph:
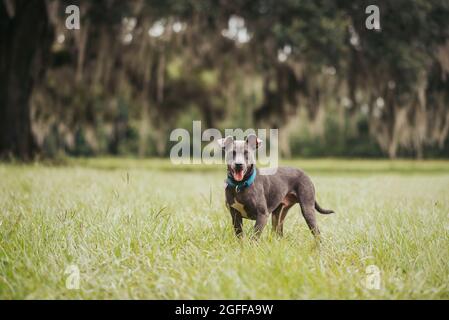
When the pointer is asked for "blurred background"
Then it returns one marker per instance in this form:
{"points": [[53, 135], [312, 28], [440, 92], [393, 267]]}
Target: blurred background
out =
{"points": [[136, 70]]}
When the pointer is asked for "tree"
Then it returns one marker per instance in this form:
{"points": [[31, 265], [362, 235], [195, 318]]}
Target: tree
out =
{"points": [[137, 69], [25, 39]]}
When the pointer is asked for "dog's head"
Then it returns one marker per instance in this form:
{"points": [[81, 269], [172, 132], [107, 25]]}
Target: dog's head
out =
{"points": [[240, 155]]}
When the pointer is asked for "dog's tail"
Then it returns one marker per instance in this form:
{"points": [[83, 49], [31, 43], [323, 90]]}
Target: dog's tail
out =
{"points": [[321, 210]]}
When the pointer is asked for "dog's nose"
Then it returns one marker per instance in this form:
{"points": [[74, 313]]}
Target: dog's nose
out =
{"points": [[238, 166]]}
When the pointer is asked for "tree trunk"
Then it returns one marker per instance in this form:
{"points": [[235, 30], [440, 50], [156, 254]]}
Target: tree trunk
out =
{"points": [[25, 39], [144, 131]]}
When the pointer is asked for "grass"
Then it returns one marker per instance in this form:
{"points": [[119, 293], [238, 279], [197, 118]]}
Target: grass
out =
{"points": [[142, 229]]}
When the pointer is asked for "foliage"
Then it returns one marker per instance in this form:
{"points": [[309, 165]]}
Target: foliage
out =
{"points": [[136, 69]]}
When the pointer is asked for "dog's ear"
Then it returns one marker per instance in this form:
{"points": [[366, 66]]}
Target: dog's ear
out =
{"points": [[225, 142], [253, 141]]}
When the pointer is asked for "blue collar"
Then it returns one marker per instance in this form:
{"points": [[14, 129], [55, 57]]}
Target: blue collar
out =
{"points": [[239, 186]]}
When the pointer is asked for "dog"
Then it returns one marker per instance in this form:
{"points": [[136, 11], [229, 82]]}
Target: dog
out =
{"points": [[252, 195]]}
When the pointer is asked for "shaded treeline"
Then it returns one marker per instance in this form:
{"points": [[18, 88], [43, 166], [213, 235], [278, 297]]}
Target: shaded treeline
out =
{"points": [[138, 69]]}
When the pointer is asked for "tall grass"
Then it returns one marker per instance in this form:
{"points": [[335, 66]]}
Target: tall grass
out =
{"points": [[136, 229]]}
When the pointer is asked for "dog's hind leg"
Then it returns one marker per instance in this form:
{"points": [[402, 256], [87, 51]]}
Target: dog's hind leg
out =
{"points": [[306, 197], [308, 212], [261, 221], [278, 219]]}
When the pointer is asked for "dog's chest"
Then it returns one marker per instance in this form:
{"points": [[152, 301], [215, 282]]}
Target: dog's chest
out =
{"points": [[242, 207]]}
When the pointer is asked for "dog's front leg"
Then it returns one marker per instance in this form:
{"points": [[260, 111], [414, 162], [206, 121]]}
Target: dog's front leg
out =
{"points": [[237, 222], [261, 222]]}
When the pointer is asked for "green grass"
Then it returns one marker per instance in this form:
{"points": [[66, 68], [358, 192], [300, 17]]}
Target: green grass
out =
{"points": [[143, 229]]}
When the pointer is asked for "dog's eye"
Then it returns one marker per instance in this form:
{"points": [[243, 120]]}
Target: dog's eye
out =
{"points": [[245, 154], [234, 154]]}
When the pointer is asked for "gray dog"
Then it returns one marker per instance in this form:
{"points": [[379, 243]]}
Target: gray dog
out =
{"points": [[252, 195]]}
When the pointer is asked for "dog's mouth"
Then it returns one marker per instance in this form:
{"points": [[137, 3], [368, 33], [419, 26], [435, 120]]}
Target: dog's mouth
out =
{"points": [[238, 174]]}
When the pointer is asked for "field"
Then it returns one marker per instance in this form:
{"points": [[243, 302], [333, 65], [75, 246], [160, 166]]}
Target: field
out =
{"points": [[143, 229]]}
